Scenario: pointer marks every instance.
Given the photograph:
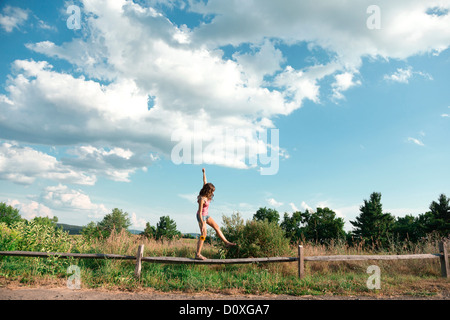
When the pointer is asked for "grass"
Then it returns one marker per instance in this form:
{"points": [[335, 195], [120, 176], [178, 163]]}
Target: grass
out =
{"points": [[407, 277]]}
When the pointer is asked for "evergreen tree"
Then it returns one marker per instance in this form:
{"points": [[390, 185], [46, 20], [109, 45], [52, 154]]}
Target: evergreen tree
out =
{"points": [[440, 216], [407, 228], [372, 225], [149, 231]]}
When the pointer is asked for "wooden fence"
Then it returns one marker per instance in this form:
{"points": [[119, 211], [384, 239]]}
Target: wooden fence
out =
{"points": [[300, 259]]}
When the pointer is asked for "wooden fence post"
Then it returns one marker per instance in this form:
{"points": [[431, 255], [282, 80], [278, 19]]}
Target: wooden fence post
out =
{"points": [[139, 255], [445, 270], [301, 262]]}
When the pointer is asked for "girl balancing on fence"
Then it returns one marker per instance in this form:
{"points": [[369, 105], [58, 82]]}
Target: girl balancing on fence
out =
{"points": [[204, 198]]}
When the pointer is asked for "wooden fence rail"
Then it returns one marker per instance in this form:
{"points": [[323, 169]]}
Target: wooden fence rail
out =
{"points": [[300, 259]]}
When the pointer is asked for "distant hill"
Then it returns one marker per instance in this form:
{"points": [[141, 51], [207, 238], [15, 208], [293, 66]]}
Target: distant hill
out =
{"points": [[77, 229], [191, 235], [71, 228]]}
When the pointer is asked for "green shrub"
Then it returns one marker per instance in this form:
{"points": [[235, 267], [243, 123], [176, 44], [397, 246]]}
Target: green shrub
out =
{"points": [[9, 238], [254, 238], [33, 235]]}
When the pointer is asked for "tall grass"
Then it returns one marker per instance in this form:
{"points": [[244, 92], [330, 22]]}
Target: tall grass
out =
{"points": [[280, 278]]}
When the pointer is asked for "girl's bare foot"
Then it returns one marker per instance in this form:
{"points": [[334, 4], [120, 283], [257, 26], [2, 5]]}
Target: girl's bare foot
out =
{"points": [[230, 244], [200, 257]]}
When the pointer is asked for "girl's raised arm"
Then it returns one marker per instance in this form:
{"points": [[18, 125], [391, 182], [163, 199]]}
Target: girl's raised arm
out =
{"points": [[204, 176]]}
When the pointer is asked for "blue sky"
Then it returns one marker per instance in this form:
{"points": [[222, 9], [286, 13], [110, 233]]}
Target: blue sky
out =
{"points": [[90, 118]]}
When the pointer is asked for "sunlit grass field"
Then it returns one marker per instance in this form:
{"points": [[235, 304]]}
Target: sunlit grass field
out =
{"points": [[406, 277]]}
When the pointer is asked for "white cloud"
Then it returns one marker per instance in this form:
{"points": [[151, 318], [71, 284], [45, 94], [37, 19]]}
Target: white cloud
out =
{"points": [[403, 75], [293, 207], [31, 209], [116, 163], [82, 166], [344, 81], [12, 18], [137, 222], [306, 207], [62, 198], [445, 115], [130, 53], [266, 60], [348, 213], [416, 141], [274, 202], [24, 165], [296, 86]]}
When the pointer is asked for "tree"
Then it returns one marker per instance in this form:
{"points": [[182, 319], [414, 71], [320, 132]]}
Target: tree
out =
{"points": [[149, 231], [439, 219], [256, 238], [91, 231], [292, 226], [46, 221], [117, 220], [8, 214], [270, 215], [406, 228], [322, 226], [372, 225], [166, 228]]}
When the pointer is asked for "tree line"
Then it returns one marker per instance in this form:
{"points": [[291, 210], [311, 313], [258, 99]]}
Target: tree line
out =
{"points": [[372, 225], [117, 220]]}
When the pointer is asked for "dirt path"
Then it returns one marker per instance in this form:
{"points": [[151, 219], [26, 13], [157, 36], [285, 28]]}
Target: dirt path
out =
{"points": [[63, 293]]}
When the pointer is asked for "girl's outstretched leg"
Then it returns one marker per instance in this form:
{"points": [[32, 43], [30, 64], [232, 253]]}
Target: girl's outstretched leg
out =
{"points": [[216, 227]]}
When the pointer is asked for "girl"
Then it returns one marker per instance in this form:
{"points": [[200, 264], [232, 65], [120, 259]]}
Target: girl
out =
{"points": [[203, 218]]}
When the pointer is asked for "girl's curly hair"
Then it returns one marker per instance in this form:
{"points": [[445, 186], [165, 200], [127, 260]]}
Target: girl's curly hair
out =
{"points": [[207, 191]]}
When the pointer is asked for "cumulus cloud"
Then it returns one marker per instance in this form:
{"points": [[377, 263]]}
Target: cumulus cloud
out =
{"points": [[344, 81], [293, 207], [24, 165], [31, 209], [116, 163], [63, 198], [82, 165], [305, 206], [408, 27], [139, 77], [274, 202], [137, 222]]}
